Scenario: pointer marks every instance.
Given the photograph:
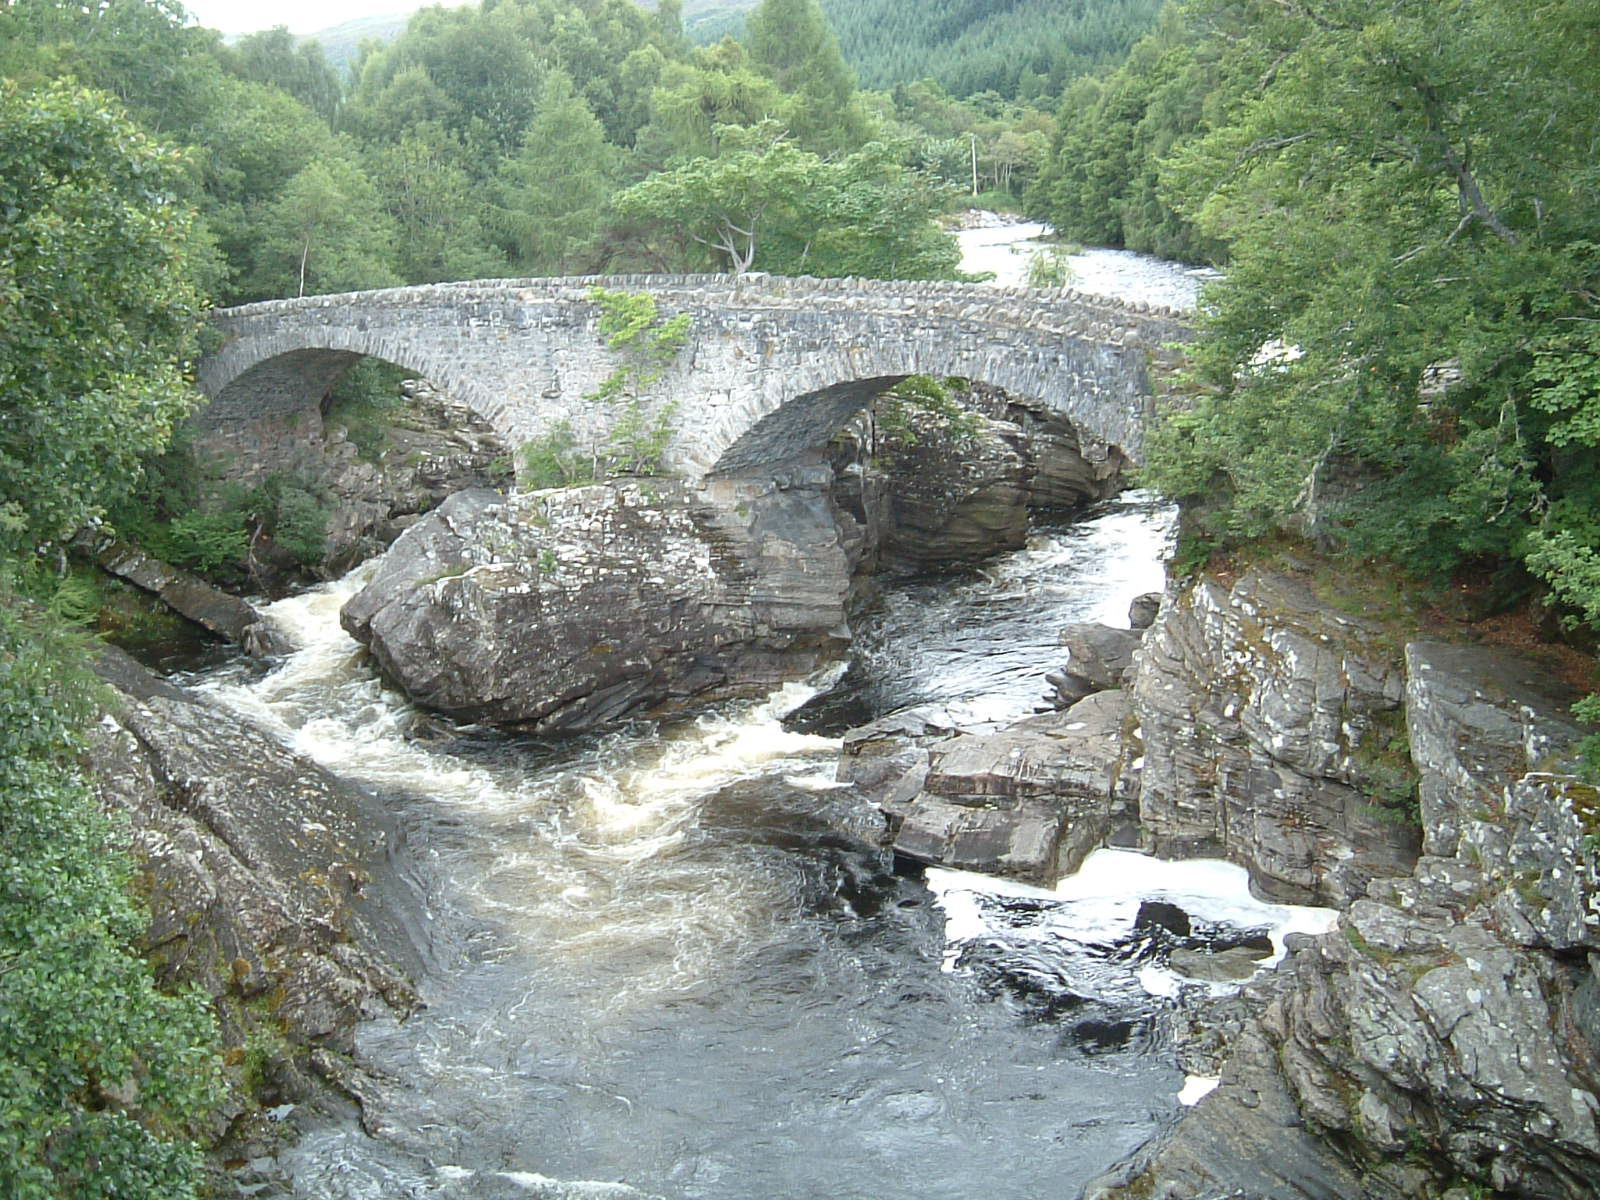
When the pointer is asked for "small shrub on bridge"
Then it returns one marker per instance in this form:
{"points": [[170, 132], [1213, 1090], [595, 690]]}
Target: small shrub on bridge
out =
{"points": [[556, 460], [632, 327]]}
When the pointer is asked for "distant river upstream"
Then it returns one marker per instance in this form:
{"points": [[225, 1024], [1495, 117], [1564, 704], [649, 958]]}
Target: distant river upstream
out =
{"points": [[1006, 247]]}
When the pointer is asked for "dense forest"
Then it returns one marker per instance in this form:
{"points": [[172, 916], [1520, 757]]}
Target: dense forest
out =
{"points": [[1403, 192], [1405, 198], [1021, 49]]}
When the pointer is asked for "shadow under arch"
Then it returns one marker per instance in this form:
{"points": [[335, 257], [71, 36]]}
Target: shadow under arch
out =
{"points": [[268, 416]]}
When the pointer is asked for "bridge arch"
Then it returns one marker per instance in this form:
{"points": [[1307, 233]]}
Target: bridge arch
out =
{"points": [[773, 367]]}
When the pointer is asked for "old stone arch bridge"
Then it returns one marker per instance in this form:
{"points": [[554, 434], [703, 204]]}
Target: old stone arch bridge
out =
{"points": [[773, 366]]}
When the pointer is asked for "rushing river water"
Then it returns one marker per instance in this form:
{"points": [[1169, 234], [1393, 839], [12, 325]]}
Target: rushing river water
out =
{"points": [[672, 962]]}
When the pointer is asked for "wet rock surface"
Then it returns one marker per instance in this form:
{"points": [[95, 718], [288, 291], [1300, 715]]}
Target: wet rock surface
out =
{"points": [[195, 599], [1098, 657], [1029, 801], [1446, 1035], [932, 497]]}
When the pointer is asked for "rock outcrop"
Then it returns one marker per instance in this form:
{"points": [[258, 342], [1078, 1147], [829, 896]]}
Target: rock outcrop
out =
{"points": [[271, 884], [432, 447], [1272, 735], [934, 498], [571, 609], [1446, 1038], [1029, 801], [195, 599], [953, 501]]}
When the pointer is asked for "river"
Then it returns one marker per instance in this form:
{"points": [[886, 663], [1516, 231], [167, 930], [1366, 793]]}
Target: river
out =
{"points": [[671, 961], [1005, 248]]}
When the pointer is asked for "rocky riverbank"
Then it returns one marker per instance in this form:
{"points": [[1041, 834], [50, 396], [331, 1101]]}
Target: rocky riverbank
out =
{"points": [[1444, 1037], [280, 890]]}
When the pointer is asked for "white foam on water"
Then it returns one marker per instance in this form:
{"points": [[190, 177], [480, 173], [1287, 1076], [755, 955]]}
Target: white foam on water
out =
{"points": [[1103, 897], [569, 841]]}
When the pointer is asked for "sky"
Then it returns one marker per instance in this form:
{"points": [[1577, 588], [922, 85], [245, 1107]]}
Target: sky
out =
{"points": [[301, 16]]}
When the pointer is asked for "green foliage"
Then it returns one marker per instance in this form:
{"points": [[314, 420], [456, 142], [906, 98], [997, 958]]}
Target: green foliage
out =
{"points": [[920, 406], [99, 309], [325, 232], [1588, 711], [1019, 48], [277, 58], [638, 441], [212, 529], [1101, 182], [764, 202], [790, 42], [425, 183], [555, 189], [1410, 191], [555, 460], [103, 1110], [1049, 267], [634, 330], [363, 403]]}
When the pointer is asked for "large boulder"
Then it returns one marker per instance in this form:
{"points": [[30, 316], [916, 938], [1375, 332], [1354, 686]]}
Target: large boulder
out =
{"points": [[570, 609], [1272, 736], [1099, 657]]}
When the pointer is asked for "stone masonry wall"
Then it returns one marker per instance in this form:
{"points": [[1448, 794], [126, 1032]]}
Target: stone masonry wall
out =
{"points": [[524, 354]]}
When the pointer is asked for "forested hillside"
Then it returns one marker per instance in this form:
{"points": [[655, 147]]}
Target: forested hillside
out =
{"points": [[1018, 48], [341, 44]]}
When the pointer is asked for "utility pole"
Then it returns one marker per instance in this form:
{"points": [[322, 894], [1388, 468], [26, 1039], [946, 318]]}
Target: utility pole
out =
{"points": [[974, 138]]}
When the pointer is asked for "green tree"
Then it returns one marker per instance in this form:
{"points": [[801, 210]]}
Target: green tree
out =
{"points": [[326, 233], [554, 192], [106, 1081], [1411, 203], [724, 203], [276, 57], [693, 100], [98, 309], [764, 201], [424, 184], [791, 43]]}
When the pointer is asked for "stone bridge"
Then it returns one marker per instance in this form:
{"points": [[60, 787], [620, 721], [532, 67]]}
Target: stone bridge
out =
{"points": [[773, 366]]}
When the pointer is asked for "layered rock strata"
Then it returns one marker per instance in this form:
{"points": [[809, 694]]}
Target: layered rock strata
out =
{"points": [[271, 884], [1272, 734], [1444, 1041]]}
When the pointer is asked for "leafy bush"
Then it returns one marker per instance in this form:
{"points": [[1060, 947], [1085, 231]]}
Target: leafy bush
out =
{"points": [[363, 403], [108, 1109], [556, 460], [919, 405], [1049, 267]]}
